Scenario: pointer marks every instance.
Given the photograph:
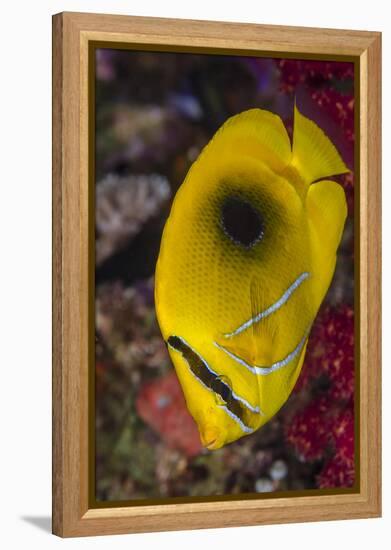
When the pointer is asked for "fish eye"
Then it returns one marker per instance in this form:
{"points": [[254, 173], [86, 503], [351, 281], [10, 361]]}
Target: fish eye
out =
{"points": [[221, 388], [241, 222]]}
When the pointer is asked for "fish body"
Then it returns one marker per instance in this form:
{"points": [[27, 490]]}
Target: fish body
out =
{"points": [[247, 255]]}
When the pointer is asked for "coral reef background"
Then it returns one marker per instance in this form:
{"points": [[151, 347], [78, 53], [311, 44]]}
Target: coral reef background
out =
{"points": [[154, 114]]}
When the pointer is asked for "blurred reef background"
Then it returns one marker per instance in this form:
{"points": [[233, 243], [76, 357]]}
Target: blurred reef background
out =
{"points": [[154, 114]]}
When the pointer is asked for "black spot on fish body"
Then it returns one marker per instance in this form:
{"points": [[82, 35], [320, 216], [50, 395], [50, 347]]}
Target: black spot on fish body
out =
{"points": [[241, 222]]}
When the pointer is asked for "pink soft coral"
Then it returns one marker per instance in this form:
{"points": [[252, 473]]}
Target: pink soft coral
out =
{"points": [[162, 406]]}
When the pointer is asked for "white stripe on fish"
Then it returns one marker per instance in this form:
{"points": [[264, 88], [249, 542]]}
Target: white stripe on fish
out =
{"points": [[271, 309], [255, 369]]}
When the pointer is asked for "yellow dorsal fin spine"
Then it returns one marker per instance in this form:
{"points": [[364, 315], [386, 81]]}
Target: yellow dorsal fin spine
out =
{"points": [[314, 156]]}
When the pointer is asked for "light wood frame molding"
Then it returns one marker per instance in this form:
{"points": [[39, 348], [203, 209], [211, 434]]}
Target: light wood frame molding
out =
{"points": [[72, 33]]}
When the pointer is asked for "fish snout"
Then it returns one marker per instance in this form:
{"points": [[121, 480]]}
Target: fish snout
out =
{"points": [[211, 436]]}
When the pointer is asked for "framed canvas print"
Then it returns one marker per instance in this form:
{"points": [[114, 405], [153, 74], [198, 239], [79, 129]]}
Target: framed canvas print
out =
{"points": [[216, 274]]}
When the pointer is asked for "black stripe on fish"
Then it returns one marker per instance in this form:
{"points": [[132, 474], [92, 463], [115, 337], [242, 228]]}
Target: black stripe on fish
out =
{"points": [[211, 381]]}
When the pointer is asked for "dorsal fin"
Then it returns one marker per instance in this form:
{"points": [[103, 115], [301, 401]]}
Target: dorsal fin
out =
{"points": [[314, 156], [256, 132], [266, 127]]}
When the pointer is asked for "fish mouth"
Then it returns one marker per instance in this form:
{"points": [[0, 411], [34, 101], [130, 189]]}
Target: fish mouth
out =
{"points": [[212, 445], [242, 412], [210, 437]]}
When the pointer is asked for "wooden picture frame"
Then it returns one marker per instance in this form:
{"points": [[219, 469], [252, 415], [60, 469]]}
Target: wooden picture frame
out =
{"points": [[73, 34]]}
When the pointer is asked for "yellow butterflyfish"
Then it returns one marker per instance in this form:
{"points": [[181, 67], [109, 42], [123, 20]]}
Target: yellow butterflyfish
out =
{"points": [[247, 255]]}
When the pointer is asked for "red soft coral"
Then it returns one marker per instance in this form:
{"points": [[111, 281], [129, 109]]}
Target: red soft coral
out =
{"points": [[313, 74], [309, 430], [324, 428], [330, 352]]}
